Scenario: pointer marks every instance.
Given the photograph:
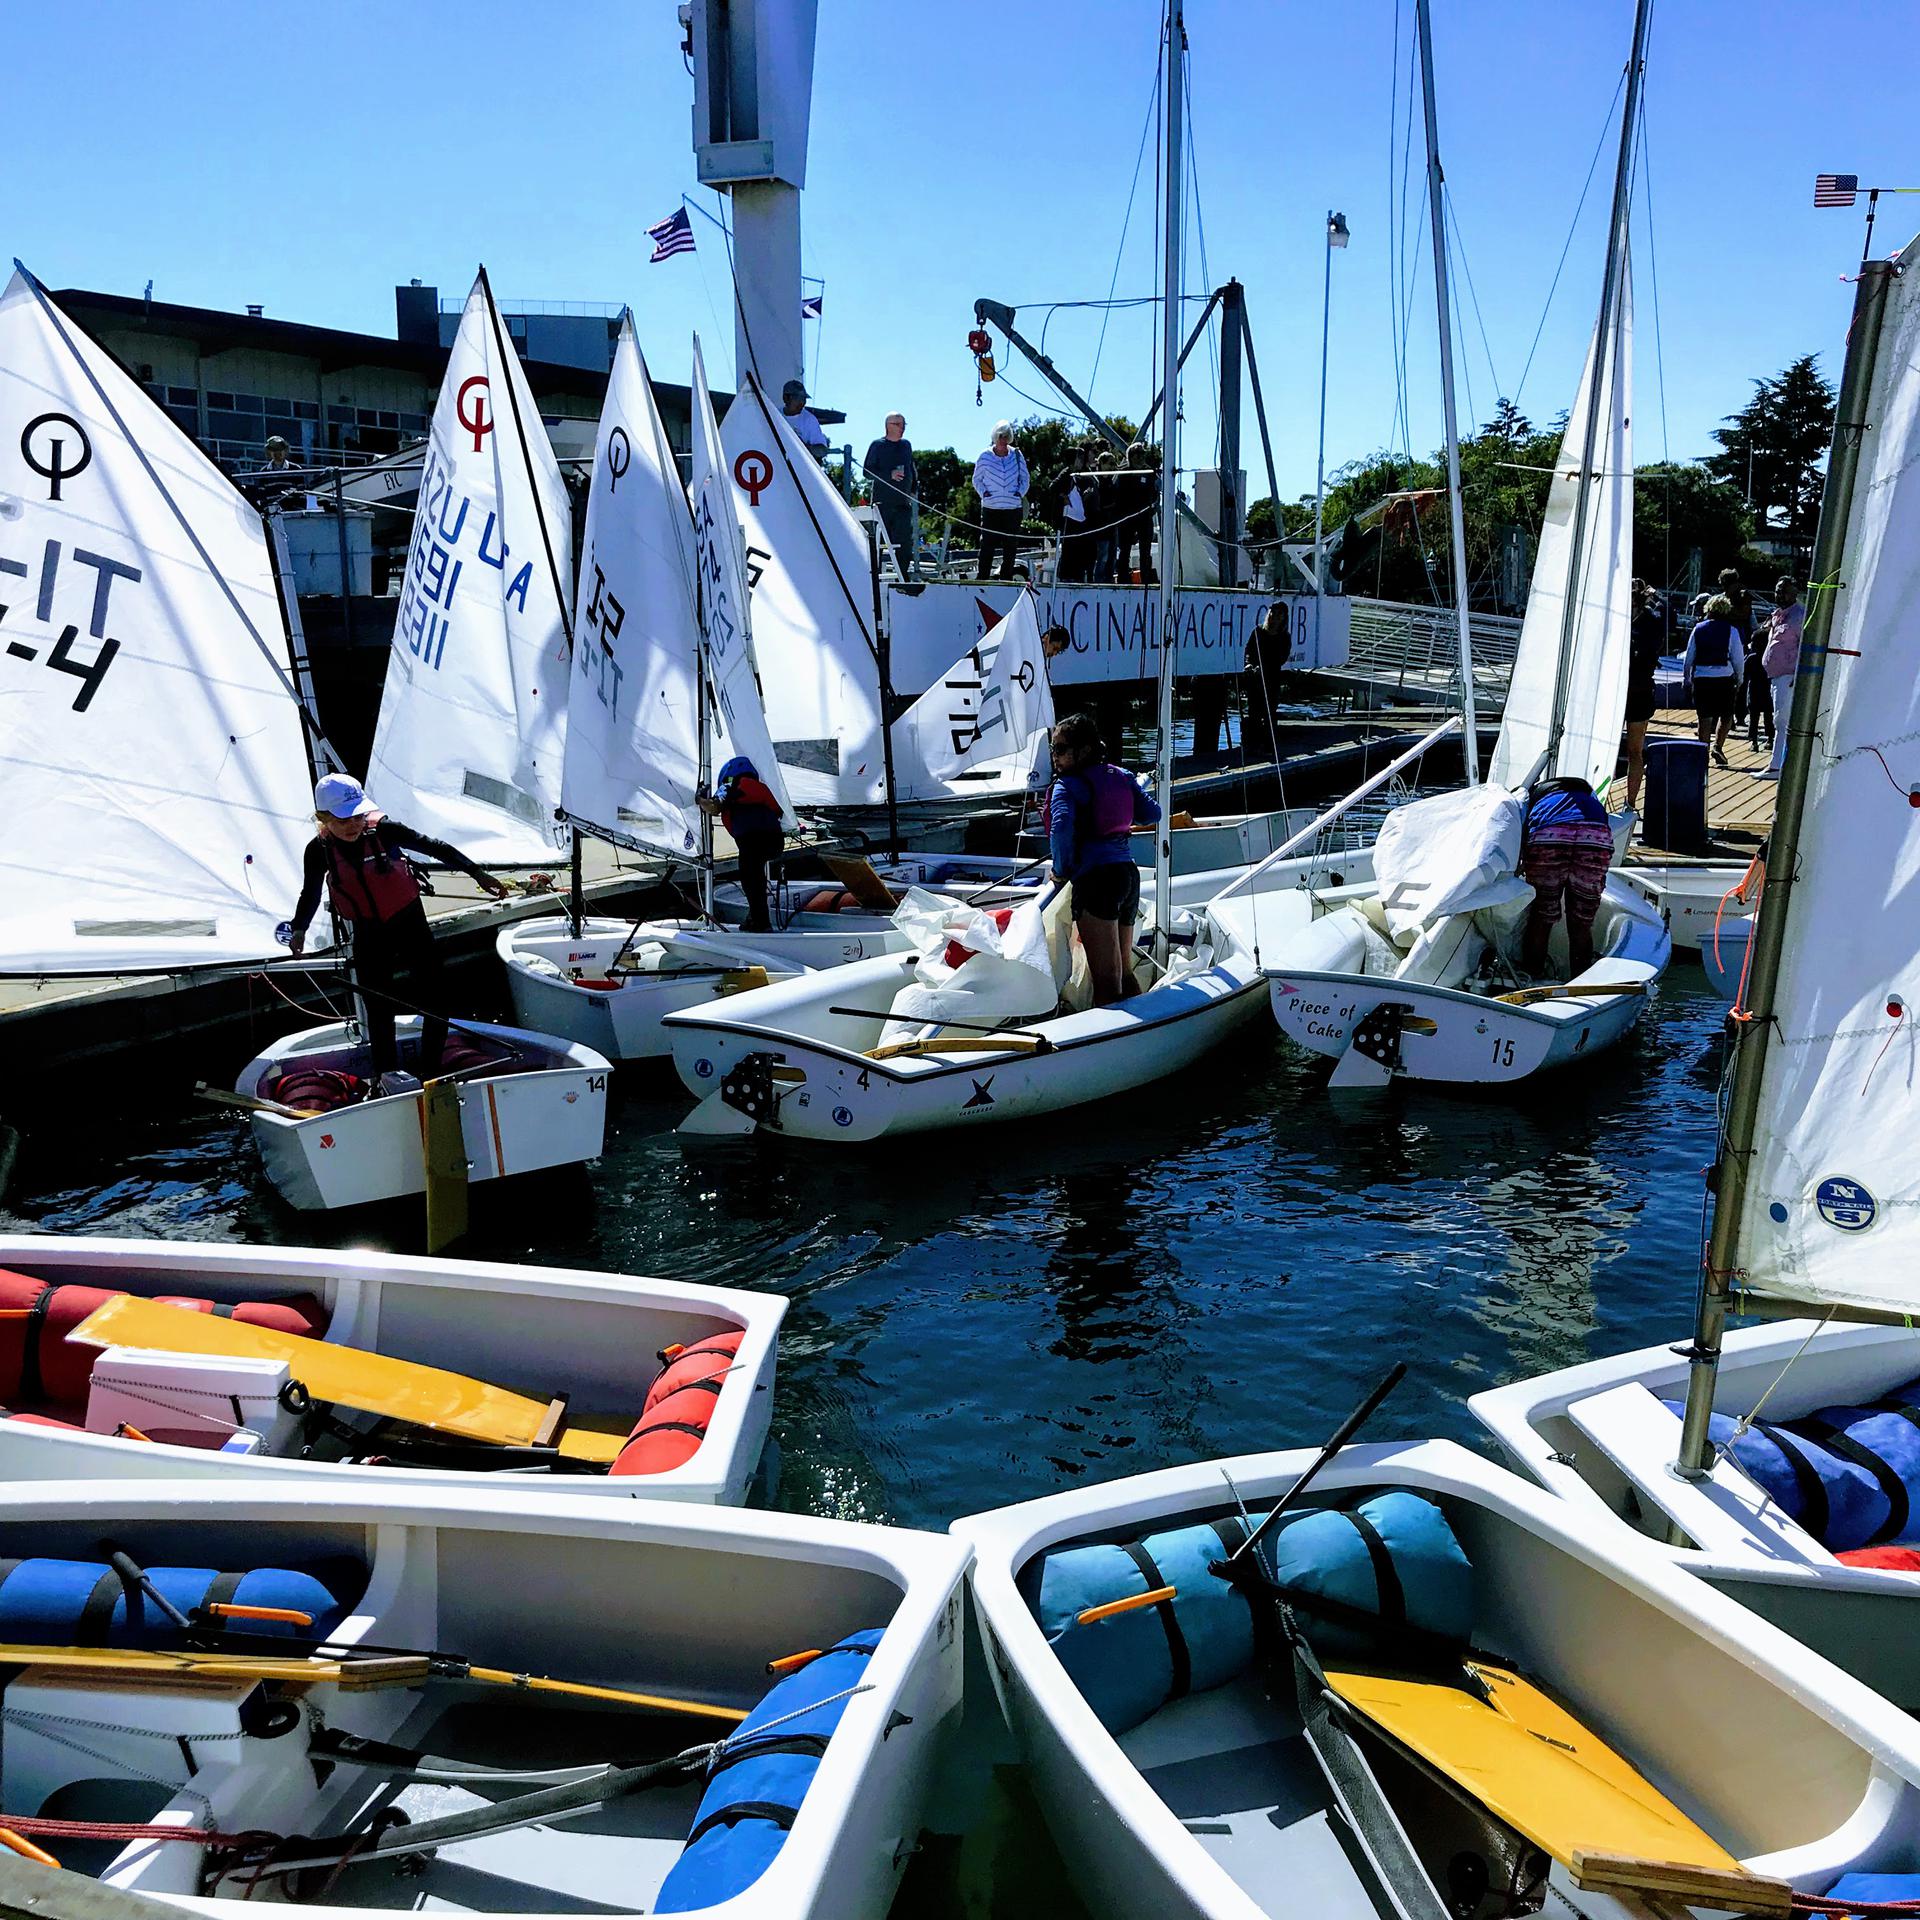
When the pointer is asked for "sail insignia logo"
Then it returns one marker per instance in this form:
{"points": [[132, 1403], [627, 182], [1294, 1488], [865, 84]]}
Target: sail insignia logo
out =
{"points": [[1846, 1205]]}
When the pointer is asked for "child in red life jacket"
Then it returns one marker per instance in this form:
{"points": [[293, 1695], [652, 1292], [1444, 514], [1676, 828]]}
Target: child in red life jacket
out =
{"points": [[751, 814], [1092, 807], [361, 856]]}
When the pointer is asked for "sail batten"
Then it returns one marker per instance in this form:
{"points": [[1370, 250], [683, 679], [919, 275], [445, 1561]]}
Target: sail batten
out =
{"points": [[470, 741], [153, 752], [1830, 1211]]}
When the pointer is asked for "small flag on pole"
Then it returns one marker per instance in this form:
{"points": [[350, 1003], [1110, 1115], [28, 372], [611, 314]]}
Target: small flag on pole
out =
{"points": [[1835, 189], [672, 235], [810, 306]]}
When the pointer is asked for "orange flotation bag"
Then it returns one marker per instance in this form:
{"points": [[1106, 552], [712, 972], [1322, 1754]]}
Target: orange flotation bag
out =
{"points": [[679, 1406], [39, 1363]]}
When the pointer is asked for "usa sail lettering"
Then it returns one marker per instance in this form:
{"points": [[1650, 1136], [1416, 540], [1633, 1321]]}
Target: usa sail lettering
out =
{"points": [[446, 532], [51, 578], [719, 623], [606, 615]]}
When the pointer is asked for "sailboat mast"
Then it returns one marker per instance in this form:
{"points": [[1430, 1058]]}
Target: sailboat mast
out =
{"points": [[1173, 94], [1442, 293], [1608, 339], [706, 706], [1754, 1034]]}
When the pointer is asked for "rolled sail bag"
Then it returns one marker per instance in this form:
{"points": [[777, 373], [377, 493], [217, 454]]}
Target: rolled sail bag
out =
{"points": [[755, 1789], [85, 1603], [1129, 1665], [1383, 1580], [1850, 1475]]}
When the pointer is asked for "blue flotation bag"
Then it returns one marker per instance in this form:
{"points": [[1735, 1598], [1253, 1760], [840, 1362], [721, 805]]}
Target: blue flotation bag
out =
{"points": [[755, 1788], [1385, 1579], [1875, 1889], [1850, 1475], [1131, 1664], [85, 1603]]}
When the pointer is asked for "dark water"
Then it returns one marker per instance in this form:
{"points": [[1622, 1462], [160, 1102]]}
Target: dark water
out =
{"points": [[1214, 1265]]}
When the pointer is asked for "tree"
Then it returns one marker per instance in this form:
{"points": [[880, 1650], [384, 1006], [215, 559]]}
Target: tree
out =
{"points": [[1773, 451], [1508, 424], [1677, 508]]}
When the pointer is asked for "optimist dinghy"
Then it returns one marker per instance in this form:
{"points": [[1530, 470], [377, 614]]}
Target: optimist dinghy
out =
{"points": [[122, 1358], [1438, 1693], [328, 1138], [332, 1700], [1783, 1458]]}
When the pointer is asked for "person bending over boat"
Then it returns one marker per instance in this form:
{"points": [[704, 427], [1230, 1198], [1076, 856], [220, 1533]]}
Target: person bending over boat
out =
{"points": [[1564, 855], [361, 856], [1092, 807], [751, 815]]}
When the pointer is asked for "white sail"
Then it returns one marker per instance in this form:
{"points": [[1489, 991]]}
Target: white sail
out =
{"points": [[633, 717], [156, 785], [1833, 1194], [813, 610], [740, 718], [1596, 675], [473, 718], [980, 723]]}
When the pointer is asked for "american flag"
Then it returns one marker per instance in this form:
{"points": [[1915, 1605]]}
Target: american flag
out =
{"points": [[810, 305], [1835, 189], [673, 235]]}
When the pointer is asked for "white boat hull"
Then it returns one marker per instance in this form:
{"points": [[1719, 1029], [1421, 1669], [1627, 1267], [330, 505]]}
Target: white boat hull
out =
{"points": [[830, 1089], [1797, 1769], [1600, 1438], [1690, 899], [697, 964], [683, 1601], [512, 1123], [1453, 1036], [536, 1330]]}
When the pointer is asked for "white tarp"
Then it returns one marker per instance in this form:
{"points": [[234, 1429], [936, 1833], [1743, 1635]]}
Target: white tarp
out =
{"points": [[634, 717], [1597, 669], [978, 728], [725, 605], [156, 785], [1833, 1196], [972, 968], [1434, 855], [813, 610], [473, 718]]}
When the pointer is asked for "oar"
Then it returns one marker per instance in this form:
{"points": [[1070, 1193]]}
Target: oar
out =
{"points": [[1526, 996], [251, 1103], [966, 1026], [1351, 1425]]}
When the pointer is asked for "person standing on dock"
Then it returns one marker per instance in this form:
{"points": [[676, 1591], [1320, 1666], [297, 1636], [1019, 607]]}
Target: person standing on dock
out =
{"points": [[1780, 662], [360, 855], [1102, 495], [802, 419], [1074, 497], [1269, 648], [1646, 639], [1715, 659], [1134, 493], [1001, 480], [1092, 810], [750, 812], [1565, 851], [894, 481]]}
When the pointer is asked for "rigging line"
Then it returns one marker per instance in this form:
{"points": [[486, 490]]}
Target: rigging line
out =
{"points": [[1606, 127], [1466, 271], [1200, 231], [1153, 100], [1653, 271], [1408, 256], [276, 665]]}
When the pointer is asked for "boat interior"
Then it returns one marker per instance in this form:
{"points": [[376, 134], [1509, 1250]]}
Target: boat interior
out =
{"points": [[327, 1070], [1261, 1769], [110, 1730], [610, 953], [398, 1369]]}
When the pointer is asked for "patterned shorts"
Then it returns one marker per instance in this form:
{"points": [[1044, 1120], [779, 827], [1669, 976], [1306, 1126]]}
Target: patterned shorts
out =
{"points": [[1573, 862]]}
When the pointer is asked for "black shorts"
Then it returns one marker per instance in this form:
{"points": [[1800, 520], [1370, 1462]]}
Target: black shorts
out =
{"points": [[1641, 703], [1110, 891], [1716, 698]]}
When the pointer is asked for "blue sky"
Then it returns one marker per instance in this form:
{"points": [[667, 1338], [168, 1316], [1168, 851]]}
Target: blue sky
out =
{"points": [[310, 159]]}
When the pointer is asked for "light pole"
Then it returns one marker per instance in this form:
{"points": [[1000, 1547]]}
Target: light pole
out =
{"points": [[1336, 237]]}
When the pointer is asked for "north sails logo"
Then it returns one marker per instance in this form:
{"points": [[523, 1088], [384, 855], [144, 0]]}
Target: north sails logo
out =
{"points": [[982, 1097]]}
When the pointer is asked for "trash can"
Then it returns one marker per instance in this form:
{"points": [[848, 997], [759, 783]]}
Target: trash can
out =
{"points": [[1674, 814]]}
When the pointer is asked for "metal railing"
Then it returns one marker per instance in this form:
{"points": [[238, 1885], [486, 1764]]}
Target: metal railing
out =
{"points": [[1393, 640]]}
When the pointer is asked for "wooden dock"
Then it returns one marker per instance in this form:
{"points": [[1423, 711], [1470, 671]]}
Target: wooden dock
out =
{"points": [[1739, 803]]}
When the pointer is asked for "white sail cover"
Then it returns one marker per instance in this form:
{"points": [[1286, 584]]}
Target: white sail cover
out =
{"points": [[1833, 1194], [1597, 669], [473, 718], [978, 727], [633, 718], [156, 785], [813, 612], [733, 679]]}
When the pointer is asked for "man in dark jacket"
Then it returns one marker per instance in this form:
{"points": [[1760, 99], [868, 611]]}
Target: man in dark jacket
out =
{"points": [[895, 485]]}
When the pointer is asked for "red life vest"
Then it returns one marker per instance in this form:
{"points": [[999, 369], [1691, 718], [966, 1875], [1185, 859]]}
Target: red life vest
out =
{"points": [[753, 797], [679, 1406], [378, 885]]}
